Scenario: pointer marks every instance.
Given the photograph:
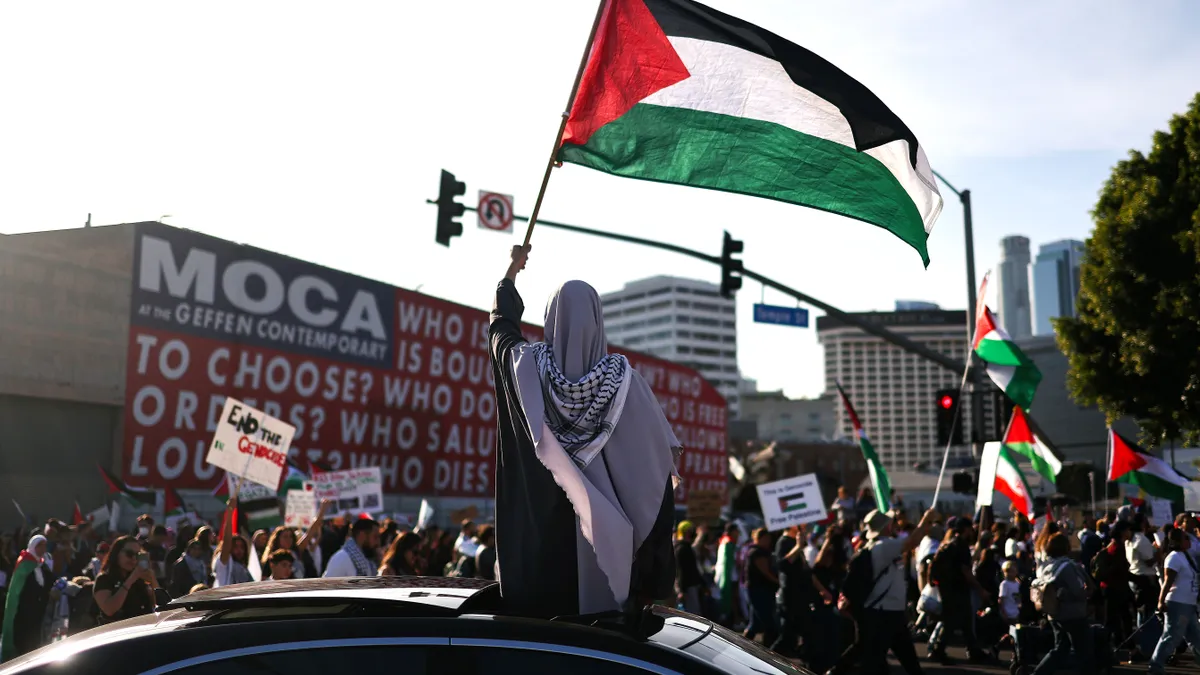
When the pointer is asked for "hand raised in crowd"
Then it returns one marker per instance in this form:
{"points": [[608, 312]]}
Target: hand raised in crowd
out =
{"points": [[519, 256]]}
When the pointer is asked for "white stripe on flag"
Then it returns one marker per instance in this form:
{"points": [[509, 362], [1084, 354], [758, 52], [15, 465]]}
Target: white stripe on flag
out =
{"points": [[987, 473]]}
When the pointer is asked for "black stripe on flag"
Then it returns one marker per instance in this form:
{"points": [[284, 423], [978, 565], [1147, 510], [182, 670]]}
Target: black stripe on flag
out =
{"points": [[871, 121]]}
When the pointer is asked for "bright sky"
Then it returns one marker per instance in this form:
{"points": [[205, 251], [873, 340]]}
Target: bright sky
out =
{"points": [[318, 130]]}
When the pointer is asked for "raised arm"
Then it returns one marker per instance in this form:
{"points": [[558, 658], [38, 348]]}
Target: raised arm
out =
{"points": [[227, 530], [317, 524], [507, 311]]}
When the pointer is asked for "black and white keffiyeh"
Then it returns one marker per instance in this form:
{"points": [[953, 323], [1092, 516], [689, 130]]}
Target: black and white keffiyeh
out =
{"points": [[582, 414], [362, 566]]}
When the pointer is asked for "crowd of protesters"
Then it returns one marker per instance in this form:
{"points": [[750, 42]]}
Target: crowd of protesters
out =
{"points": [[62, 579], [839, 596]]}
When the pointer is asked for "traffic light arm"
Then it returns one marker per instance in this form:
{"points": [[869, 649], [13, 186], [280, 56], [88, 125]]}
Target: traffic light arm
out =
{"points": [[878, 331]]}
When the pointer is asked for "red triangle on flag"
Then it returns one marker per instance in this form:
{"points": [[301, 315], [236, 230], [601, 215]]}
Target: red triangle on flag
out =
{"points": [[77, 516], [631, 59], [172, 502], [1125, 456]]}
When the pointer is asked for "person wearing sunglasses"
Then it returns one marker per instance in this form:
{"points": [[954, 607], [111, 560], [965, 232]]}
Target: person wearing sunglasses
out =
{"points": [[125, 587]]}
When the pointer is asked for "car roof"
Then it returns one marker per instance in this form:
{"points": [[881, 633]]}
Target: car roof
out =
{"points": [[442, 595], [453, 603]]}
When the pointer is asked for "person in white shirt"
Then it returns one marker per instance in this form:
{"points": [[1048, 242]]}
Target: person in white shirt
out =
{"points": [[1010, 593], [1177, 599], [1143, 557], [354, 558], [466, 545]]}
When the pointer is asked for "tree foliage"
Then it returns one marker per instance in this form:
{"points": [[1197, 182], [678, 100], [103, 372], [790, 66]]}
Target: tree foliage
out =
{"points": [[1135, 347]]}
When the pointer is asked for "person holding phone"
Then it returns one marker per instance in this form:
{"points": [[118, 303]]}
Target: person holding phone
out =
{"points": [[125, 587]]}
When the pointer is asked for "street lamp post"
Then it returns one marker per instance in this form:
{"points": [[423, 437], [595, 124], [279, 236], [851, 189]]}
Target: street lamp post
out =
{"points": [[964, 197]]}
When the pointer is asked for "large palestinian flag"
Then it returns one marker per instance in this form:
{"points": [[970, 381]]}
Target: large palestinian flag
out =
{"points": [[998, 472], [680, 93], [1007, 365], [880, 485], [1021, 439], [1128, 464]]}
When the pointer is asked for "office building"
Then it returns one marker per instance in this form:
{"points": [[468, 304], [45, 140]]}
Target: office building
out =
{"points": [[1055, 283], [681, 320], [893, 390], [1012, 287], [791, 420]]}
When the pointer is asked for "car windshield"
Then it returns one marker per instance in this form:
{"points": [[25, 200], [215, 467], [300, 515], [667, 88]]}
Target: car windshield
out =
{"points": [[722, 648]]}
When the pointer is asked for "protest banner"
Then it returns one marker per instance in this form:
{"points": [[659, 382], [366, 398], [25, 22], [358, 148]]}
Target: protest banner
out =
{"points": [[250, 443], [424, 516], [368, 374], [301, 507], [791, 501], [704, 505], [352, 490]]}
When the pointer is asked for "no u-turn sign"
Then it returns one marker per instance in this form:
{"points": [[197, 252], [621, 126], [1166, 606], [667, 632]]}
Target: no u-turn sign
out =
{"points": [[495, 211]]}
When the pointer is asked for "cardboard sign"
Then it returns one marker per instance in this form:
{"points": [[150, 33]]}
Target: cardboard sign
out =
{"points": [[704, 505], [1160, 511], [301, 508], [352, 490], [251, 444], [791, 501], [469, 513]]}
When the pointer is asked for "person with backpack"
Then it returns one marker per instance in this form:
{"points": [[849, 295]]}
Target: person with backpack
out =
{"points": [[1110, 570], [1061, 591], [874, 596], [1177, 600], [952, 572]]}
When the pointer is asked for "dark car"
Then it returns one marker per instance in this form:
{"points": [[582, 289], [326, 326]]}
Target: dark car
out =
{"points": [[408, 625]]}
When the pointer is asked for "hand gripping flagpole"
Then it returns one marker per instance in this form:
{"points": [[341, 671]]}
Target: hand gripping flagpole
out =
{"points": [[562, 125], [981, 304]]}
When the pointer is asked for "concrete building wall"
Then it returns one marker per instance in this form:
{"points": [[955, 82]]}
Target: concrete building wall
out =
{"points": [[1076, 431], [1012, 276], [779, 418]]}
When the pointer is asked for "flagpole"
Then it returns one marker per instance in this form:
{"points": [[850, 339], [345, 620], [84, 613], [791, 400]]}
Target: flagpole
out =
{"points": [[972, 321], [562, 125]]}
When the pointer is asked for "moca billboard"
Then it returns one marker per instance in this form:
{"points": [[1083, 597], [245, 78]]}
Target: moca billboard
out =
{"points": [[369, 374]]}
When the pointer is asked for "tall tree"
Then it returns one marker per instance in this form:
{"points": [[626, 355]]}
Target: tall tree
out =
{"points": [[1135, 347]]}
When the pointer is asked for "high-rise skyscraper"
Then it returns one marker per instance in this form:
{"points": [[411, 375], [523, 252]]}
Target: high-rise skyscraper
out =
{"points": [[681, 320], [1055, 283], [1012, 281]]}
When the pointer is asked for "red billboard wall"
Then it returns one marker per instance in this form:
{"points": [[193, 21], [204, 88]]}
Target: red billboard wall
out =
{"points": [[369, 374]]}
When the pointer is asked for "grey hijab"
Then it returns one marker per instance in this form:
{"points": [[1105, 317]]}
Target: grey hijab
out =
{"points": [[617, 497]]}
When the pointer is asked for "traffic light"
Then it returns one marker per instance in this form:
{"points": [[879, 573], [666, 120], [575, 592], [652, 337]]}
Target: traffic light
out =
{"points": [[963, 483], [731, 268], [448, 209], [947, 411]]}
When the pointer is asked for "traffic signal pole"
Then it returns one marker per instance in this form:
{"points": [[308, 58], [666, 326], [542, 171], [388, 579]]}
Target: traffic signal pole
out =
{"points": [[858, 322], [964, 197]]}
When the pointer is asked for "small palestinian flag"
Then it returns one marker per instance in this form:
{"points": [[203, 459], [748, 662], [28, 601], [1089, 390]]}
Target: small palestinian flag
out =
{"points": [[881, 486], [1007, 365], [792, 502], [998, 472], [173, 504], [135, 495], [677, 92], [1130, 465], [1021, 439]]}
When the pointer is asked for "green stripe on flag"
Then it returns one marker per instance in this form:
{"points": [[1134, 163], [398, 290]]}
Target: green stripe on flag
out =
{"points": [[1153, 485], [751, 157]]}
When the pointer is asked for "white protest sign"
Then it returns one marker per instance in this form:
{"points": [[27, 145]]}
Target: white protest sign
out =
{"points": [[251, 444], [425, 516], [250, 492], [100, 516], [791, 501], [301, 508], [353, 489], [1160, 511], [1191, 496]]}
